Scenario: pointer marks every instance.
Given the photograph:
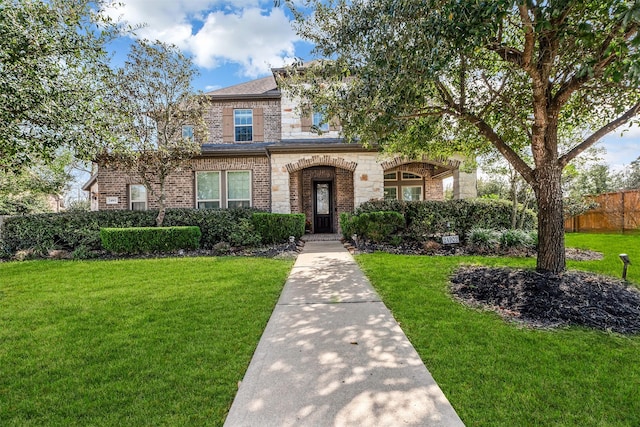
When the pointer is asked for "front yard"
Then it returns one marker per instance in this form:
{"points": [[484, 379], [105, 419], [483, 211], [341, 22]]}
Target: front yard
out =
{"points": [[499, 374], [132, 342]]}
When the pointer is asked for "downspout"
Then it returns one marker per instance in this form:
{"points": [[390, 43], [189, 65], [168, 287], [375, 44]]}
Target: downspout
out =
{"points": [[266, 152]]}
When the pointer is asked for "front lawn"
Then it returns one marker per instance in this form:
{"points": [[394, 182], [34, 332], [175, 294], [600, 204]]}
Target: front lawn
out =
{"points": [[130, 342], [500, 374]]}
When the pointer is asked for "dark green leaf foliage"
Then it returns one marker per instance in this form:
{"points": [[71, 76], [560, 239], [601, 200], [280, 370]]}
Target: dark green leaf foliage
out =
{"points": [[277, 228], [377, 226], [69, 231], [428, 219], [135, 240]]}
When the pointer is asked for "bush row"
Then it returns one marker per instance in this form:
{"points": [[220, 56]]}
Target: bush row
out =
{"points": [[275, 228], [484, 240], [81, 230], [379, 227], [430, 219], [134, 240]]}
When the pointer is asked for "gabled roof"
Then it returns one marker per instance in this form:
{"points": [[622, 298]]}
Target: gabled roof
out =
{"points": [[265, 87]]}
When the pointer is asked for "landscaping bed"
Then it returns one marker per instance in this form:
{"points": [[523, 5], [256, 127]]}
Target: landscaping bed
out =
{"points": [[551, 300]]}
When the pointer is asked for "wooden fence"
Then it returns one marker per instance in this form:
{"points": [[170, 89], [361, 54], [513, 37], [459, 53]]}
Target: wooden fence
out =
{"points": [[617, 212]]}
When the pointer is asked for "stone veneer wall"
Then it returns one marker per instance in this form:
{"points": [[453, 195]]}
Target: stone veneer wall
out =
{"points": [[367, 176], [270, 110], [180, 186], [292, 122]]}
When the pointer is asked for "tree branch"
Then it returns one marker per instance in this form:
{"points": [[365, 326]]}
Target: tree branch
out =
{"points": [[512, 157], [609, 127]]}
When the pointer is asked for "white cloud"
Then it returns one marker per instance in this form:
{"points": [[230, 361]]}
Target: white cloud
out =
{"points": [[622, 147], [216, 32]]}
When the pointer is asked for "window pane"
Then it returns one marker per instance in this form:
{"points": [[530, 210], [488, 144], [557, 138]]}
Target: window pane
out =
{"points": [[391, 176], [411, 193], [322, 199], [319, 121], [208, 205], [409, 175], [187, 132], [208, 185], [138, 193], [239, 185], [390, 193], [239, 204], [244, 133], [138, 206]]}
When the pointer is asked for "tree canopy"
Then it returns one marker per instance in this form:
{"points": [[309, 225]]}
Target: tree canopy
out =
{"points": [[159, 118], [52, 57], [447, 76]]}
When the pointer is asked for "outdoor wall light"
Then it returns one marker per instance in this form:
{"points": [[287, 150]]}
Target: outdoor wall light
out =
{"points": [[626, 262]]}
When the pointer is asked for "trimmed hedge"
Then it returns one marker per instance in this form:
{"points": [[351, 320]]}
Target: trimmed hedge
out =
{"points": [[133, 240], [276, 228], [375, 226], [432, 219], [74, 230]]}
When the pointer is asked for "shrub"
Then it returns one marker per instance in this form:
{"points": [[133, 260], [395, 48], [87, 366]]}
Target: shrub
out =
{"points": [[484, 240], [517, 239], [70, 230], [430, 219], [276, 228], [244, 234], [375, 226], [150, 239]]}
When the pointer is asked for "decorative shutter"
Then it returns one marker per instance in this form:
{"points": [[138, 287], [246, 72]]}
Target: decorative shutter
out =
{"points": [[307, 122], [258, 125], [227, 125]]}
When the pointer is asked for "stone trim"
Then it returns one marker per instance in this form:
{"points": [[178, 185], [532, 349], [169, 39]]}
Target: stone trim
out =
{"points": [[402, 160], [321, 161]]}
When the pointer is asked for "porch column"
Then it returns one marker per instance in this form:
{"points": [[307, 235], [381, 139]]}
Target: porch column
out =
{"points": [[465, 184]]}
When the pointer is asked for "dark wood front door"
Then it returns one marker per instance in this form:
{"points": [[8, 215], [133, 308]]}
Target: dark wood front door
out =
{"points": [[322, 207]]}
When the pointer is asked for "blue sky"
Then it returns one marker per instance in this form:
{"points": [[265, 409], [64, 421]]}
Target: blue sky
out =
{"points": [[236, 41]]}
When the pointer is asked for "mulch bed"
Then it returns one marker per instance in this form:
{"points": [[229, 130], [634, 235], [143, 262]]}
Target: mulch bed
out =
{"points": [[551, 300]]}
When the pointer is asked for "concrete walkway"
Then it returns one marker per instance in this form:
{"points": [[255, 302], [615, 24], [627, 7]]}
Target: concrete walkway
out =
{"points": [[333, 355]]}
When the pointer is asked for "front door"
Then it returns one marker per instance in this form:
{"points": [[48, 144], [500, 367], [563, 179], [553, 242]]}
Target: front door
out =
{"points": [[323, 221]]}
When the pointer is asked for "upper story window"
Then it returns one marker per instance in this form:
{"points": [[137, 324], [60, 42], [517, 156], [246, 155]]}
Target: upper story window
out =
{"points": [[320, 122], [137, 197], [243, 125], [187, 132]]}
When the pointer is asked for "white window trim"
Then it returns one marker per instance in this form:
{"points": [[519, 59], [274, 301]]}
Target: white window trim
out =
{"points": [[219, 200], [146, 197], [395, 174], [418, 177], [235, 126], [227, 199], [413, 186]]}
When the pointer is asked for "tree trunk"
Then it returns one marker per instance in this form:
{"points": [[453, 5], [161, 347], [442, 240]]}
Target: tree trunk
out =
{"points": [[161, 206], [551, 256], [514, 200]]}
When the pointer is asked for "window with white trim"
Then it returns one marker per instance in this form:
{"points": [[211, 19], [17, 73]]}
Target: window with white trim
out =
{"points": [[391, 193], [243, 125], [137, 197], [187, 132], [238, 189], [411, 193], [391, 176], [207, 190]]}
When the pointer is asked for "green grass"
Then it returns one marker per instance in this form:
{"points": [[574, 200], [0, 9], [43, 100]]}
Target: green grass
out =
{"points": [[131, 342], [499, 374]]}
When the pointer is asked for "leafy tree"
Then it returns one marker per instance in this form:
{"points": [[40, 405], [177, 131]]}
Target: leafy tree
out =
{"points": [[459, 76], [630, 178], [161, 123], [52, 57], [27, 190]]}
